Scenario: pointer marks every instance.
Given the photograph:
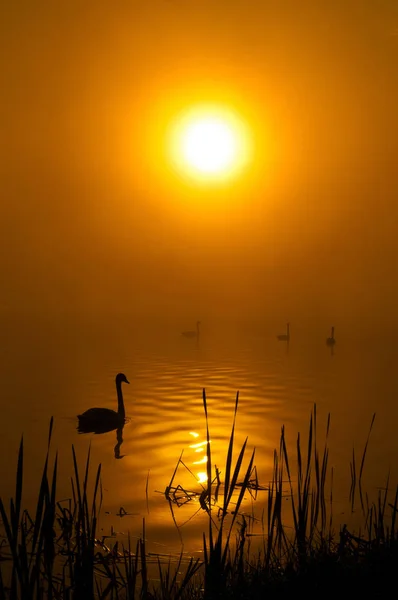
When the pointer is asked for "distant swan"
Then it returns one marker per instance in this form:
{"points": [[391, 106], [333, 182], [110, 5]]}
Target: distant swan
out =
{"points": [[192, 334], [285, 337], [101, 420], [330, 341]]}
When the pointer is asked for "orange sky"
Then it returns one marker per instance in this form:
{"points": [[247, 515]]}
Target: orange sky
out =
{"points": [[93, 216]]}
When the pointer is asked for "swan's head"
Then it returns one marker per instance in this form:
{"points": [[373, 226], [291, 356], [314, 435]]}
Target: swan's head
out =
{"points": [[121, 378], [197, 323]]}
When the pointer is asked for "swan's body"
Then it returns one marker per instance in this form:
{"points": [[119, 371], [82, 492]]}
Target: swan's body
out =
{"points": [[285, 337], [100, 420], [192, 334], [330, 341]]}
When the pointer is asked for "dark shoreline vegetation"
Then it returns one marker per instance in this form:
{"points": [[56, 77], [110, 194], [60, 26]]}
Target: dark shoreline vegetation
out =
{"points": [[57, 553]]}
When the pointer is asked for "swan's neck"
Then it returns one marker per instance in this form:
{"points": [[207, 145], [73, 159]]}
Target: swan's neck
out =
{"points": [[120, 403]]}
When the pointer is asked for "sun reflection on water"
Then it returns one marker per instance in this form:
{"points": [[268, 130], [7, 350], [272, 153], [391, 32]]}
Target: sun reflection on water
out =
{"points": [[201, 461], [199, 447], [202, 477]]}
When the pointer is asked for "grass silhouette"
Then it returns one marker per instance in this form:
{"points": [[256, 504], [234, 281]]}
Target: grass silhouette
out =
{"points": [[56, 554]]}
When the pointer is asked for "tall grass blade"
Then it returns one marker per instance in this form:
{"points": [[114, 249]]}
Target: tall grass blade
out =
{"points": [[208, 470], [242, 492], [18, 492], [229, 457], [363, 463]]}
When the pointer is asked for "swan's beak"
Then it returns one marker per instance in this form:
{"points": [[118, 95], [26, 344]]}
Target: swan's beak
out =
{"points": [[127, 381]]}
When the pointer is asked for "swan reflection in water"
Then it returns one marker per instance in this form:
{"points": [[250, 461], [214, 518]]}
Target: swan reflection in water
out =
{"points": [[119, 438], [102, 420]]}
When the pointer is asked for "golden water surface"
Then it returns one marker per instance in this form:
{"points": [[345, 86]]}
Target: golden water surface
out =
{"points": [[61, 368]]}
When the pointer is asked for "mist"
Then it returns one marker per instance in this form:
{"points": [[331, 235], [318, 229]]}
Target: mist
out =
{"points": [[94, 220]]}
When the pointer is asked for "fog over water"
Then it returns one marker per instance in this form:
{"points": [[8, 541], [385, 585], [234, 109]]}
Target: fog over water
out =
{"points": [[108, 252]]}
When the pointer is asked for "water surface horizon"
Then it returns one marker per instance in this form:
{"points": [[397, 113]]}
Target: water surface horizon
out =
{"points": [[60, 372]]}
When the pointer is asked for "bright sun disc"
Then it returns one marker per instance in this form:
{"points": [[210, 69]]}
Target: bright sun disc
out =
{"points": [[209, 143]]}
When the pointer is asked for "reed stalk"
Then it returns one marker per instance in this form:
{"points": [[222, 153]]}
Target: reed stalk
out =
{"points": [[56, 553]]}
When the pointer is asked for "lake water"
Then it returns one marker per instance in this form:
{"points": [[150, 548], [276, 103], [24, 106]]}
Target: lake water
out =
{"points": [[61, 368]]}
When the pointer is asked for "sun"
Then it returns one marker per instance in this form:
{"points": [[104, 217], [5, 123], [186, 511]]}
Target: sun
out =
{"points": [[209, 143]]}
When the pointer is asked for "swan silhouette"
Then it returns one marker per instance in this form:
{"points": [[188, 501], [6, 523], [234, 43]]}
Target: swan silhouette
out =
{"points": [[192, 334], [101, 420], [330, 341], [285, 337]]}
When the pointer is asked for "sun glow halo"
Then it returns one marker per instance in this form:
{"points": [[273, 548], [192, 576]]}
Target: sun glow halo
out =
{"points": [[209, 143]]}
